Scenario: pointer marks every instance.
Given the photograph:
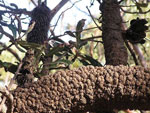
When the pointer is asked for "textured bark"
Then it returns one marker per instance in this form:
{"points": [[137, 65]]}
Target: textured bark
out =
{"points": [[115, 51], [86, 89]]}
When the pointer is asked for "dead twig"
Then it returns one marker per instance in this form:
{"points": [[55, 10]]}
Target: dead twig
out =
{"points": [[140, 55], [63, 13], [34, 3], [131, 51], [93, 19], [10, 50]]}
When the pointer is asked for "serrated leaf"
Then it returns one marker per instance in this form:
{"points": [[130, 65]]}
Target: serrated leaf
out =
{"points": [[70, 33], [13, 30]]}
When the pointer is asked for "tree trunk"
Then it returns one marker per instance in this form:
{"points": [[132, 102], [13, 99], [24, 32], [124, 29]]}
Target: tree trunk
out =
{"points": [[115, 51]]}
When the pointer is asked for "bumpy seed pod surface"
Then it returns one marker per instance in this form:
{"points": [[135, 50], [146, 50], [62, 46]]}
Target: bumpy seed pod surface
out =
{"points": [[41, 16], [86, 89]]}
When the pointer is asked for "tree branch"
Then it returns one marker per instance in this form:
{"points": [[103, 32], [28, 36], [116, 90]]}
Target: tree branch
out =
{"points": [[140, 55], [10, 50], [15, 11], [90, 88], [58, 7]]}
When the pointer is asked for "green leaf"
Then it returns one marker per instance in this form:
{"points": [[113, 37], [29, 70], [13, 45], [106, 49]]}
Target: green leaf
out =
{"points": [[85, 63], [55, 50], [28, 45], [70, 33], [92, 61], [13, 30], [8, 67], [79, 29], [82, 43], [64, 61], [14, 5], [1, 35]]}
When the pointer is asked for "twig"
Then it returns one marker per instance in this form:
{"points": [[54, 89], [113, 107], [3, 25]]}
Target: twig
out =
{"points": [[96, 41], [15, 11], [5, 92], [120, 1], [80, 9], [7, 34], [19, 24], [140, 56], [93, 18], [6, 48], [58, 7], [34, 3], [132, 53], [10, 50], [4, 24], [73, 32], [91, 38], [63, 13]]}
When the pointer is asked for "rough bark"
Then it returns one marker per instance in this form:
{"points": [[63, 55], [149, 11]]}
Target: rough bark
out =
{"points": [[115, 51], [86, 89]]}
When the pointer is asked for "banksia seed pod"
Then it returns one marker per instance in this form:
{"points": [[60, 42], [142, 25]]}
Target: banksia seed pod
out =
{"points": [[41, 16]]}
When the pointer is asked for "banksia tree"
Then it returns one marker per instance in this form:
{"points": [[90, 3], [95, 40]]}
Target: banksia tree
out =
{"points": [[91, 88]]}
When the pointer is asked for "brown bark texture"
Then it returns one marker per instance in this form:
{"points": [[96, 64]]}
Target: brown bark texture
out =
{"points": [[86, 89], [115, 51]]}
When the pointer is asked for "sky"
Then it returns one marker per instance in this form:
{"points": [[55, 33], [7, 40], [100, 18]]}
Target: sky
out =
{"points": [[72, 16]]}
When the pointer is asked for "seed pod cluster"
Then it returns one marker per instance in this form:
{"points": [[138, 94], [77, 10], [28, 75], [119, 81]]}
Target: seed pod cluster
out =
{"points": [[136, 33], [86, 89], [41, 16]]}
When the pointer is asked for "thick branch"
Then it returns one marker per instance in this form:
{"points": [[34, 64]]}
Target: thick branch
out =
{"points": [[58, 7], [86, 89]]}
